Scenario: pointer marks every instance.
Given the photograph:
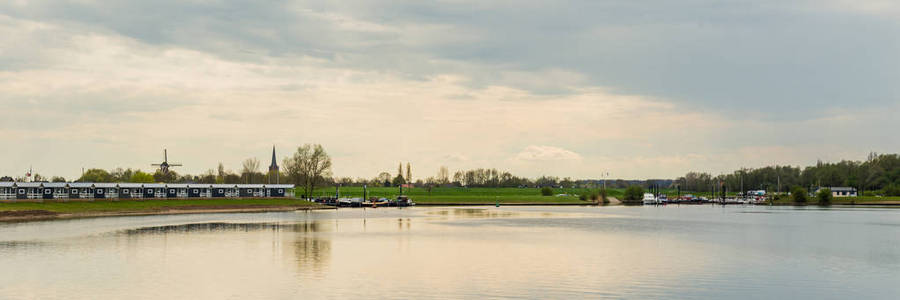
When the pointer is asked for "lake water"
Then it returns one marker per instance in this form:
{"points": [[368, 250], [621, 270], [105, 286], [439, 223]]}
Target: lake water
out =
{"points": [[684, 252]]}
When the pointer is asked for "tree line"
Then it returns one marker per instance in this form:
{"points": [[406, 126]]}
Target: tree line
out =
{"points": [[879, 173]]}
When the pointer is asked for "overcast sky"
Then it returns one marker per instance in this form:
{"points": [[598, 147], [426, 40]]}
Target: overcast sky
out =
{"points": [[639, 89]]}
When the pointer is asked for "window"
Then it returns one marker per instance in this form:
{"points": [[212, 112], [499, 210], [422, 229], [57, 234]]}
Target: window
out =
{"points": [[21, 191], [100, 191], [196, 191], [281, 191], [48, 191], [171, 191], [221, 191], [74, 191], [249, 191], [124, 191]]}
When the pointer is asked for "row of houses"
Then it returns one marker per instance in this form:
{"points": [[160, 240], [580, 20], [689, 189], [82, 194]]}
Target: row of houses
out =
{"points": [[98, 190]]}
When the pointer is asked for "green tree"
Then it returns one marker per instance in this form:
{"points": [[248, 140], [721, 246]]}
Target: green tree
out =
{"points": [[546, 191], [604, 197], [634, 193], [169, 177], [398, 180], [141, 177], [95, 175], [824, 196], [799, 195], [58, 179]]}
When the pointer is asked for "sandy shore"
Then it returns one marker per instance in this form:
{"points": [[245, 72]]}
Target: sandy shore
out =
{"points": [[40, 215]]}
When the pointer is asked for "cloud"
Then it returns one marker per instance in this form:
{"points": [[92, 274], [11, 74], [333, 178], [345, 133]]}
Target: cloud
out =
{"points": [[546, 153], [647, 88]]}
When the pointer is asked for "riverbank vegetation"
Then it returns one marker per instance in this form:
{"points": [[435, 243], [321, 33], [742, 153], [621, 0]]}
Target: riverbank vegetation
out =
{"points": [[463, 195]]}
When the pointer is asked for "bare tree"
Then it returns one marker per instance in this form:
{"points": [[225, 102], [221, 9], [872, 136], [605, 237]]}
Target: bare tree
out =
{"points": [[309, 167], [443, 176], [250, 166], [408, 174]]}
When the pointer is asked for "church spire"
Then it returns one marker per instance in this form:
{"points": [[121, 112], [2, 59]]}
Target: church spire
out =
{"points": [[273, 168]]}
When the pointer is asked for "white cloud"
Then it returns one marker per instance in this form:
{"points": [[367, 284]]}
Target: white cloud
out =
{"points": [[546, 153]]}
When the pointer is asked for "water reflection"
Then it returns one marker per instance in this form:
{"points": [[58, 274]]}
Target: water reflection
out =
{"points": [[507, 252], [224, 227]]}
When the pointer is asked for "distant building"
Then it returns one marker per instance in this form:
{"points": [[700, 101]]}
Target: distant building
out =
{"points": [[839, 191], [273, 168]]}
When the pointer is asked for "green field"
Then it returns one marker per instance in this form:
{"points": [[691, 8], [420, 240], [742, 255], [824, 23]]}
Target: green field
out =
{"points": [[151, 205], [443, 195]]}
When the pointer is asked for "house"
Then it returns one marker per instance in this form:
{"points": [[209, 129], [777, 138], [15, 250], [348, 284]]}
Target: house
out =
{"points": [[839, 191], [277, 190], [54, 190], [106, 190], [28, 190], [80, 190], [130, 190], [154, 190], [7, 189], [223, 190], [176, 190], [196, 190], [127, 190]]}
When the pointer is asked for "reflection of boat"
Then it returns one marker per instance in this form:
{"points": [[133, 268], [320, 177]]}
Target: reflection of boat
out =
{"points": [[649, 199]]}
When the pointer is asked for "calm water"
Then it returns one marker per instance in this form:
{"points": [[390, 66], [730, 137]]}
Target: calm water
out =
{"points": [[702, 252]]}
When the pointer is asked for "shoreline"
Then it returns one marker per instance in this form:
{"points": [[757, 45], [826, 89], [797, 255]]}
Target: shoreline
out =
{"points": [[43, 215]]}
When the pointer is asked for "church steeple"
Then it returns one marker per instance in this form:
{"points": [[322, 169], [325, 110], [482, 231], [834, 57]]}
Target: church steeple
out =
{"points": [[273, 168]]}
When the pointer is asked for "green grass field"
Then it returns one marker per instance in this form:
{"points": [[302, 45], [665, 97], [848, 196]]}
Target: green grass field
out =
{"points": [[467, 195], [151, 205]]}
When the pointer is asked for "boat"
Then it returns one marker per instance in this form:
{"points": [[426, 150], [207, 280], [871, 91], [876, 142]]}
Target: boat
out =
{"points": [[649, 199], [662, 199], [404, 201]]}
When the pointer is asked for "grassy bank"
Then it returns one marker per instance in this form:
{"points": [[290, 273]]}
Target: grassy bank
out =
{"points": [[443, 195], [75, 207]]}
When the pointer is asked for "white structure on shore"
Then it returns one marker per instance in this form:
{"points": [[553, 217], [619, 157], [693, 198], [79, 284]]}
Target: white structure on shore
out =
{"points": [[839, 191], [123, 190]]}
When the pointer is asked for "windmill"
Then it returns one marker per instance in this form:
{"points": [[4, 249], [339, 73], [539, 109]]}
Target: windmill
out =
{"points": [[164, 166]]}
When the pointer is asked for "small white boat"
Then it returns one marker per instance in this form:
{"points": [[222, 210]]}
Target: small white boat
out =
{"points": [[663, 199], [649, 199]]}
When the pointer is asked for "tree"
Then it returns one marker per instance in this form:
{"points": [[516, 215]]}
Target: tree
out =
{"points": [[384, 178], [95, 175], [309, 167], [398, 180], [603, 196], [170, 176], [799, 195], [400, 171], [408, 174], [633, 193], [58, 179], [824, 196], [141, 177], [221, 173], [250, 166], [546, 191], [443, 176]]}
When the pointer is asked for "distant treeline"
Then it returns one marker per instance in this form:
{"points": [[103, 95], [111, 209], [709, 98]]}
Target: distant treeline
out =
{"points": [[879, 172]]}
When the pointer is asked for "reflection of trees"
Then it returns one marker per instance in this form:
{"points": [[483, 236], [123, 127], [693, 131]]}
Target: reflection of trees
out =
{"points": [[312, 252]]}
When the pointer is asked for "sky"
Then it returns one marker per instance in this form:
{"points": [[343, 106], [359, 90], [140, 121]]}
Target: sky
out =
{"points": [[582, 89]]}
